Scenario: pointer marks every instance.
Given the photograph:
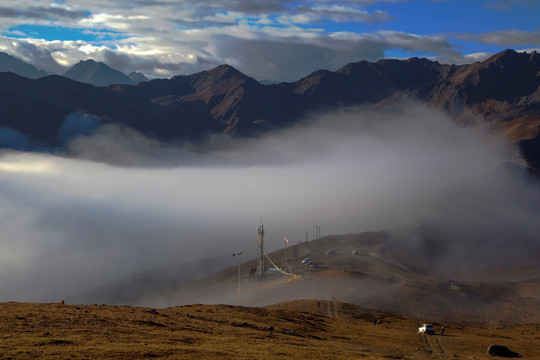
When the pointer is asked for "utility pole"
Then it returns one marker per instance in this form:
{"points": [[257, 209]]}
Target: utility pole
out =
{"points": [[260, 259], [318, 236], [285, 260], [239, 264]]}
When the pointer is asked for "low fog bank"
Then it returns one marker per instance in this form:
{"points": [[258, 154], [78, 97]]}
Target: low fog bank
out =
{"points": [[153, 283], [70, 224]]}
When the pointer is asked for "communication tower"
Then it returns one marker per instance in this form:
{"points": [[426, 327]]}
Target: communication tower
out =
{"points": [[260, 259]]}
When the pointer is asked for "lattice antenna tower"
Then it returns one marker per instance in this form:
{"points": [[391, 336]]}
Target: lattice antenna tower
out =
{"points": [[260, 259]]}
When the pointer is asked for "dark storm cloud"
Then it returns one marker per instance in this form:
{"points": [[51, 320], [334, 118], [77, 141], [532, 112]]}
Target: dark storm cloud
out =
{"points": [[42, 13], [6, 12], [277, 6], [207, 8], [262, 58]]}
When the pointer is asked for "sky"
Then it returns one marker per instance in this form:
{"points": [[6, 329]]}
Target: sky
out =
{"points": [[278, 40]]}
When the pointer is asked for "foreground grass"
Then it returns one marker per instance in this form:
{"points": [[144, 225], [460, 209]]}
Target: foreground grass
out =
{"points": [[300, 329]]}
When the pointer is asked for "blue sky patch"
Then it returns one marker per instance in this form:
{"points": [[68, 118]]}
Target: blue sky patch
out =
{"points": [[51, 33]]}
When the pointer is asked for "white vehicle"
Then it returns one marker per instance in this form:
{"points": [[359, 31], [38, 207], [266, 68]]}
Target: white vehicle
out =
{"points": [[306, 261], [426, 329]]}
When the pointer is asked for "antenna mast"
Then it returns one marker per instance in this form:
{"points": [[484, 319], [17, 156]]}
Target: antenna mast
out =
{"points": [[260, 259], [239, 264]]}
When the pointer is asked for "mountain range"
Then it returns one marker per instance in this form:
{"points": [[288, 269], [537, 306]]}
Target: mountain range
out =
{"points": [[503, 90], [87, 71]]}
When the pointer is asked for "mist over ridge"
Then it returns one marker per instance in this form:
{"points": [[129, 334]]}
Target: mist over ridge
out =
{"points": [[70, 223]]}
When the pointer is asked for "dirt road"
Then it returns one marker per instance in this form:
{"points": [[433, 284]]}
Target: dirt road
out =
{"points": [[331, 309], [435, 346]]}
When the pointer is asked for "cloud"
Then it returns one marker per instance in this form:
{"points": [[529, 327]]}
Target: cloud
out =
{"points": [[163, 39], [261, 58], [38, 56], [120, 146], [340, 13], [255, 52], [42, 13], [477, 57], [69, 224], [510, 38]]}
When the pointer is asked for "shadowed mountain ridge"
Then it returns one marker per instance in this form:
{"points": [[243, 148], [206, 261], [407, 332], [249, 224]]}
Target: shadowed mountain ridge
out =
{"points": [[504, 90]]}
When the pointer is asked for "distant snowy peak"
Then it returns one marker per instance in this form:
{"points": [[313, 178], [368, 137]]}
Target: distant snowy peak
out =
{"points": [[9, 63], [97, 74]]}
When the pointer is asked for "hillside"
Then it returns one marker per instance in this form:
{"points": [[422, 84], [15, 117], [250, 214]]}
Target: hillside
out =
{"points": [[293, 330], [384, 273], [501, 93]]}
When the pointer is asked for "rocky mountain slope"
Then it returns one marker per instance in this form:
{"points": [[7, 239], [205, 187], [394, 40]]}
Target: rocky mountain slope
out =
{"points": [[502, 93]]}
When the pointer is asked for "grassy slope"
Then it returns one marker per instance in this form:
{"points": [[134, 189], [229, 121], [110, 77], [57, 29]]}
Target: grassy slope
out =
{"points": [[298, 329]]}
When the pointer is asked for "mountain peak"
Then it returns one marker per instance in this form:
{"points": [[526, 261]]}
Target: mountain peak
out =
{"points": [[90, 61], [10, 63], [137, 77], [225, 71], [513, 58], [219, 77], [506, 54], [97, 73]]}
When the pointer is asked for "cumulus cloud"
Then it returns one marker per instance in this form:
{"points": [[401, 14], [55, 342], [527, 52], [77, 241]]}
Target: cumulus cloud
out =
{"points": [[69, 224]]}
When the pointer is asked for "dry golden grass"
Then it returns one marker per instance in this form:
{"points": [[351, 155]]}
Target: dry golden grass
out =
{"points": [[292, 330], [519, 128]]}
